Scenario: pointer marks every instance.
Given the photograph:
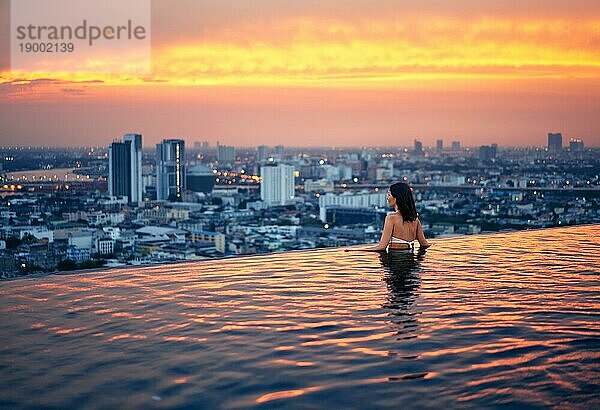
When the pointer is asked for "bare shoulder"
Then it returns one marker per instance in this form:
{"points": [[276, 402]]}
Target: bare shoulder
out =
{"points": [[393, 217]]}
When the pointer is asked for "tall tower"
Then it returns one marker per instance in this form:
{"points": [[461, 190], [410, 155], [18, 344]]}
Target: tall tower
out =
{"points": [[418, 147], [225, 154], [576, 145], [262, 153], [277, 186], [170, 169], [279, 149], [125, 168], [439, 145], [554, 142]]}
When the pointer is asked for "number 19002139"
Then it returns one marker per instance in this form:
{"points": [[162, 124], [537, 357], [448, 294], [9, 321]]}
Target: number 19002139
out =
{"points": [[46, 47]]}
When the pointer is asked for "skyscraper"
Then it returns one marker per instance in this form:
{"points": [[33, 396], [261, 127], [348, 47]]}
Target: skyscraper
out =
{"points": [[225, 154], [277, 186], [262, 153], [494, 150], [455, 145], [125, 168], [279, 150], [554, 142], [576, 145], [170, 169], [439, 145], [487, 153], [418, 147]]}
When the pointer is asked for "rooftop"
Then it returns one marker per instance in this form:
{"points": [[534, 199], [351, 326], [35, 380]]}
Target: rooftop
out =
{"points": [[477, 321]]}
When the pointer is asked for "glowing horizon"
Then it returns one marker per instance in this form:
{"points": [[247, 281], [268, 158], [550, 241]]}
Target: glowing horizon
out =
{"points": [[453, 61], [305, 52]]}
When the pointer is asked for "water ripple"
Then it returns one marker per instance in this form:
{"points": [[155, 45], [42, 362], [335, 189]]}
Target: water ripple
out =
{"points": [[481, 321]]}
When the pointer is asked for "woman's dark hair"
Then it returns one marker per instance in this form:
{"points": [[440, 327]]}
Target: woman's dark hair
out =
{"points": [[404, 201]]}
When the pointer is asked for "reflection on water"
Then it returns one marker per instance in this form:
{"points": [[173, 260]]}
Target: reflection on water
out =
{"points": [[401, 275], [401, 270], [481, 321]]}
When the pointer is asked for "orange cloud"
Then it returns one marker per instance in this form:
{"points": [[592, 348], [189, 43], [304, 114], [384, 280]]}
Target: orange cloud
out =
{"points": [[369, 53]]}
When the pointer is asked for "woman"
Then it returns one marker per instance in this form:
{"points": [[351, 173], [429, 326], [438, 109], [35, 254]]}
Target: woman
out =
{"points": [[402, 227]]}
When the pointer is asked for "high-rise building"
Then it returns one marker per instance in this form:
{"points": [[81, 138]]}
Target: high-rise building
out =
{"points": [[439, 145], [279, 150], [201, 145], [170, 169], [487, 152], [125, 168], [455, 145], [494, 150], [554, 142], [277, 186], [262, 153], [418, 147], [225, 154], [575, 145]]}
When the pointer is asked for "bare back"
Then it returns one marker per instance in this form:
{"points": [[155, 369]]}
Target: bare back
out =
{"points": [[399, 235], [406, 231]]}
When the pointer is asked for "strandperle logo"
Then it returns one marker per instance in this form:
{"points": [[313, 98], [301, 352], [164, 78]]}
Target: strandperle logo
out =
{"points": [[96, 36], [84, 31]]}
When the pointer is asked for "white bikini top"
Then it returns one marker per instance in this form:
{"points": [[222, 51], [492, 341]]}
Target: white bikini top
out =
{"points": [[398, 240]]}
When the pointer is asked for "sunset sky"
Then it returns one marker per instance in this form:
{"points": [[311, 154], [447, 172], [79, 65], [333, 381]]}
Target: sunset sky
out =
{"points": [[330, 73]]}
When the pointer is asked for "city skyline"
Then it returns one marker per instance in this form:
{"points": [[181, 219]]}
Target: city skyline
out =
{"points": [[427, 145], [343, 74]]}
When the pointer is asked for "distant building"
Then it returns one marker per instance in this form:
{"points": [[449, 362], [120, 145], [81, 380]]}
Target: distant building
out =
{"points": [[150, 234], [487, 152], [455, 145], [418, 147], [322, 185], [170, 169], [554, 142], [576, 145], [277, 186], [351, 200], [38, 232], [125, 168], [379, 173], [330, 172], [349, 216], [494, 150], [204, 145], [149, 181], [200, 179], [262, 153], [279, 150], [105, 246], [83, 239], [77, 254], [439, 145], [225, 154], [218, 239]]}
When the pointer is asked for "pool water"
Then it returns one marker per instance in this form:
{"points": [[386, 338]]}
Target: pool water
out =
{"points": [[490, 321]]}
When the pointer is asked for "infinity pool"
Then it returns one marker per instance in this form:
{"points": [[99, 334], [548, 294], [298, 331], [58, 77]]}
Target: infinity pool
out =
{"points": [[478, 321]]}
